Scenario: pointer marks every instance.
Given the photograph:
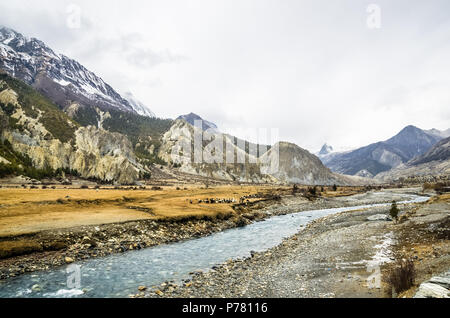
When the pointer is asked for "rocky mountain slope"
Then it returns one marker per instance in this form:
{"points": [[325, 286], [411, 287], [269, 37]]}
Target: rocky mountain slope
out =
{"points": [[239, 142], [178, 148], [191, 118], [297, 165], [283, 162], [37, 139], [439, 152], [63, 80], [81, 94], [439, 133], [138, 106], [382, 156], [73, 120], [435, 162], [326, 149]]}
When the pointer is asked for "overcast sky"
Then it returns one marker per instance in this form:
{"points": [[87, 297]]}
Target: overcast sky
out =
{"points": [[313, 69]]}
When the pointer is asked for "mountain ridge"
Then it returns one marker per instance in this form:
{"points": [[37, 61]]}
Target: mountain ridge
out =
{"points": [[59, 77], [382, 156]]}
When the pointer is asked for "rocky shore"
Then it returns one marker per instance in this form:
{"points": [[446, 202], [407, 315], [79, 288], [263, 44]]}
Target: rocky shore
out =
{"points": [[343, 255], [69, 245]]}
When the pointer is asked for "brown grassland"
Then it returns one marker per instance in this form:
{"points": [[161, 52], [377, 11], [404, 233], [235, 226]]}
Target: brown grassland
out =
{"points": [[26, 211]]}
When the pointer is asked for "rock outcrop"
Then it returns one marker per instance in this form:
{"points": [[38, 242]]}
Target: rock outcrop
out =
{"points": [[93, 152], [435, 162], [297, 165], [436, 287], [219, 156]]}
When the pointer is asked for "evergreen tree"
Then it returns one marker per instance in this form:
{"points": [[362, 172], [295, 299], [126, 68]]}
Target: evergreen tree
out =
{"points": [[393, 212]]}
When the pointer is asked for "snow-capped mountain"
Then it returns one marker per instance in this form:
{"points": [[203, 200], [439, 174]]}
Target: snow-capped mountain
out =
{"points": [[326, 149], [137, 105], [60, 78], [439, 133]]}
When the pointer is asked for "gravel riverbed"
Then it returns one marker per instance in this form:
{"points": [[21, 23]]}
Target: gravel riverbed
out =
{"points": [[341, 255], [97, 241]]}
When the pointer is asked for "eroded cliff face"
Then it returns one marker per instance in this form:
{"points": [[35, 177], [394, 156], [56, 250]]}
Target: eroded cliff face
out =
{"points": [[283, 163], [93, 152], [178, 147], [297, 165]]}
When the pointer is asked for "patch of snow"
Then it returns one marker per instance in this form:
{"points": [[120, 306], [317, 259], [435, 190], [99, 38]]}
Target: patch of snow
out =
{"points": [[383, 251], [138, 106], [61, 82]]}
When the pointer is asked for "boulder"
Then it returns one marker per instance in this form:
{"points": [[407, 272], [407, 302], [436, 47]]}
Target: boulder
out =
{"points": [[379, 217], [430, 290]]}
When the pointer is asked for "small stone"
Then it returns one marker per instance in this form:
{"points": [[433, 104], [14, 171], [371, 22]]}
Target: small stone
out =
{"points": [[68, 259], [159, 293], [379, 217], [142, 288], [36, 287]]}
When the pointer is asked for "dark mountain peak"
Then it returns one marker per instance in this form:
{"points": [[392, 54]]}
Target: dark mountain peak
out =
{"points": [[410, 142], [413, 136], [326, 149], [440, 151], [408, 131], [192, 117]]}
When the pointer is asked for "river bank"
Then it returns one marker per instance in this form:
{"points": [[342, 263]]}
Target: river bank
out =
{"points": [[349, 254], [85, 242]]}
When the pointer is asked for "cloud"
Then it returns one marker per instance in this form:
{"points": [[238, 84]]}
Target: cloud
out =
{"points": [[310, 68], [148, 58], [131, 48]]}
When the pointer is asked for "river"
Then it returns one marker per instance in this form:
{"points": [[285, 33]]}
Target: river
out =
{"points": [[119, 275]]}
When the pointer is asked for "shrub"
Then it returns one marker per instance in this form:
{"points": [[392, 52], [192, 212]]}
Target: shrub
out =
{"points": [[393, 212], [312, 190], [6, 170], [402, 276], [334, 187], [146, 175]]}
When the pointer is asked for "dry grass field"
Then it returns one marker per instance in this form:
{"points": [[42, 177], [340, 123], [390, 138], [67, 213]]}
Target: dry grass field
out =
{"points": [[25, 211], [43, 218]]}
